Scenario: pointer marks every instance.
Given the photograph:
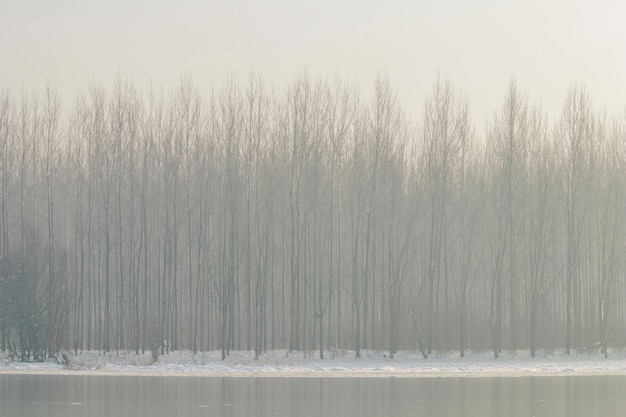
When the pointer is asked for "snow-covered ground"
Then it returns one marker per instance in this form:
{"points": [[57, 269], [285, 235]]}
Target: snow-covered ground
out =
{"points": [[336, 364]]}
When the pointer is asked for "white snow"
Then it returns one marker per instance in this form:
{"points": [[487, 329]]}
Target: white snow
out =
{"points": [[280, 363]]}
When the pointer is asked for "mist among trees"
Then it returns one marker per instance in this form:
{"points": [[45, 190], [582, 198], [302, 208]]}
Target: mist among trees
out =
{"points": [[309, 218]]}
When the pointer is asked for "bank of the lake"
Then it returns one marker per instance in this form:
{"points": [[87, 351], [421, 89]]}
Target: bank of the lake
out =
{"points": [[335, 364]]}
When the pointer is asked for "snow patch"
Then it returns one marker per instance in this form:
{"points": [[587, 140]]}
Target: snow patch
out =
{"points": [[337, 364]]}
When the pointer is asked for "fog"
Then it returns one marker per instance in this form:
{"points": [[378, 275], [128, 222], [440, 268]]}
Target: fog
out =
{"points": [[315, 218], [274, 176], [546, 44]]}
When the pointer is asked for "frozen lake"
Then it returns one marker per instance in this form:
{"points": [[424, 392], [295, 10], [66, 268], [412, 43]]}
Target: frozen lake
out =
{"points": [[122, 396]]}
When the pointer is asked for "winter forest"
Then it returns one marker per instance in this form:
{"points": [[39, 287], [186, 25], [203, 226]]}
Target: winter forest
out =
{"points": [[308, 218]]}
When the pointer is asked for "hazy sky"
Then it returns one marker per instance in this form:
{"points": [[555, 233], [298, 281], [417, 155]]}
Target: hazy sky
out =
{"points": [[480, 44]]}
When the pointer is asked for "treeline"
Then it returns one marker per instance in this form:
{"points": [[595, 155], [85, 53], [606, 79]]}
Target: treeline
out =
{"points": [[309, 219]]}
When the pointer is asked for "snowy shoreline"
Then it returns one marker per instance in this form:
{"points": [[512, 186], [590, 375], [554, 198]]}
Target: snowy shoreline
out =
{"points": [[337, 364]]}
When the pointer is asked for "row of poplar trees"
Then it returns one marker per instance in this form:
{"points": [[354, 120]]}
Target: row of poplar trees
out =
{"points": [[308, 218]]}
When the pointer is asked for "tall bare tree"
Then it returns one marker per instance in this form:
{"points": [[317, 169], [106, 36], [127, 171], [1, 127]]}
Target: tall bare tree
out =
{"points": [[539, 220], [576, 131], [507, 142]]}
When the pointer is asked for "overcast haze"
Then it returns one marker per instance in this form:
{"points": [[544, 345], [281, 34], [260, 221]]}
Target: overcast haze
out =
{"points": [[286, 213], [547, 45]]}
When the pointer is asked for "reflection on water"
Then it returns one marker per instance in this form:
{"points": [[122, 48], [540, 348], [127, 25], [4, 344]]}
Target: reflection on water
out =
{"points": [[100, 396]]}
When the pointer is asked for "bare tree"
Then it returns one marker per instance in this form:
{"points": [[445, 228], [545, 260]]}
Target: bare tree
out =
{"points": [[609, 220], [56, 308], [540, 220], [445, 127], [576, 131], [508, 137], [6, 157], [466, 178], [228, 127]]}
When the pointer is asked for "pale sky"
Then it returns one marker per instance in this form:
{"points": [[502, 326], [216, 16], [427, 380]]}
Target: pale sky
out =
{"points": [[479, 44]]}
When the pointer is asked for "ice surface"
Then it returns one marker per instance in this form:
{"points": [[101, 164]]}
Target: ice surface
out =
{"points": [[280, 363]]}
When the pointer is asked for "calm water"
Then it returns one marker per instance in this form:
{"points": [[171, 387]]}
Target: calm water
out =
{"points": [[99, 396]]}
